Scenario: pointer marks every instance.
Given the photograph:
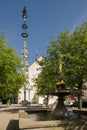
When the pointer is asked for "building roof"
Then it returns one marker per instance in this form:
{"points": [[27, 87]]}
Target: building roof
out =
{"points": [[35, 62]]}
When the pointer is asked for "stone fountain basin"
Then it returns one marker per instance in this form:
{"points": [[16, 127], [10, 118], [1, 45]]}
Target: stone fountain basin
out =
{"points": [[30, 119]]}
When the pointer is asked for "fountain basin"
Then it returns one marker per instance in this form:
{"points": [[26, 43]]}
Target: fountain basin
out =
{"points": [[36, 121]]}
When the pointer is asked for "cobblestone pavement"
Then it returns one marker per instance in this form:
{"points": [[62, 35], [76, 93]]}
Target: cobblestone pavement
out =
{"points": [[9, 118]]}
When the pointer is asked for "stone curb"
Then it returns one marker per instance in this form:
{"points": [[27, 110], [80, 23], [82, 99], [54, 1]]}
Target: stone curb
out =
{"points": [[26, 124]]}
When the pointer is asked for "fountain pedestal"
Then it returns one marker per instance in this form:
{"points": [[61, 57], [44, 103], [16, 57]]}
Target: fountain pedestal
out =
{"points": [[60, 110]]}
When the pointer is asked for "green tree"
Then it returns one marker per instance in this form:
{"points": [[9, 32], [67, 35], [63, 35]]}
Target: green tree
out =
{"points": [[75, 60], [11, 77], [73, 48]]}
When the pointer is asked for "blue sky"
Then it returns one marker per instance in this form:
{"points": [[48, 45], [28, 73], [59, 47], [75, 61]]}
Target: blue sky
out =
{"points": [[45, 19]]}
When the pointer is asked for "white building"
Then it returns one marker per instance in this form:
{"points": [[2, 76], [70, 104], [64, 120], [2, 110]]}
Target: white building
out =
{"points": [[31, 87]]}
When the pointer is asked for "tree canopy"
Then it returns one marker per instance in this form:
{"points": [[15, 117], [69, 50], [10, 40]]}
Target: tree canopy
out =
{"points": [[73, 50], [11, 77]]}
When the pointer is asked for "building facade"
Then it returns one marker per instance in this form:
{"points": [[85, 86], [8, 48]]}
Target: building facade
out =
{"points": [[31, 87]]}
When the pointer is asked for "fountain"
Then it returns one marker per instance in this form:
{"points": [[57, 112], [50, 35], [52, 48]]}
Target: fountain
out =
{"points": [[60, 91], [60, 110]]}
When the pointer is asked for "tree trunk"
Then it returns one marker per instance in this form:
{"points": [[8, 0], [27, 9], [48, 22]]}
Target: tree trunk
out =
{"points": [[79, 99]]}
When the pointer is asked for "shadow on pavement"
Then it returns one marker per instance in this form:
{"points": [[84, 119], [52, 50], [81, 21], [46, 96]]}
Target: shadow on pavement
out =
{"points": [[13, 125]]}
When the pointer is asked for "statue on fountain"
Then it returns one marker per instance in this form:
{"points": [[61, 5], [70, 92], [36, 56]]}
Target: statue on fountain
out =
{"points": [[60, 81]]}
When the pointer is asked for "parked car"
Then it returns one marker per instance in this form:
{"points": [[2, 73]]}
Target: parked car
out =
{"points": [[69, 103]]}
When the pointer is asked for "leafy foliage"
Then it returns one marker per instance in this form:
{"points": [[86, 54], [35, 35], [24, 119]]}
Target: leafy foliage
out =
{"points": [[11, 78], [73, 48]]}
